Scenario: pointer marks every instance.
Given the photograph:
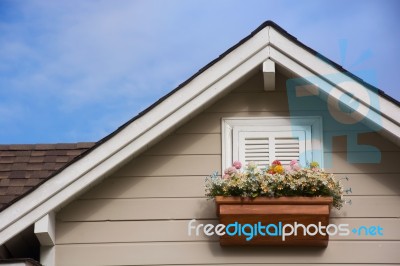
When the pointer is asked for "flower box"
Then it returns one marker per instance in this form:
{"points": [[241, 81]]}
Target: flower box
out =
{"points": [[275, 205], [276, 212]]}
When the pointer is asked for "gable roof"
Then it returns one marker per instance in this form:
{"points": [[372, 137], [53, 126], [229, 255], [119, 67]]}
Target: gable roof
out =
{"points": [[25, 167], [210, 83]]}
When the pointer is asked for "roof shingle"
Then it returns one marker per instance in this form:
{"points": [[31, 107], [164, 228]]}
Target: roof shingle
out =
{"points": [[25, 167]]}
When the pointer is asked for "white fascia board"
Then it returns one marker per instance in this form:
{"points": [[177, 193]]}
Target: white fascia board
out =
{"points": [[136, 137], [320, 67], [302, 71]]}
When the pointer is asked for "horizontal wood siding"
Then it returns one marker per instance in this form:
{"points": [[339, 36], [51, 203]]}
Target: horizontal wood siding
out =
{"points": [[182, 253], [176, 230], [139, 215], [186, 165], [128, 187], [201, 208]]}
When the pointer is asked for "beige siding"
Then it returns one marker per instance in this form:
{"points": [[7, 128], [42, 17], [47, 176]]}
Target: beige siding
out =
{"points": [[206, 252], [139, 215], [176, 230], [128, 187], [201, 208], [172, 165]]}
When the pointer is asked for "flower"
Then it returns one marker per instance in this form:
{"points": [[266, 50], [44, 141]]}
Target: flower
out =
{"points": [[296, 167], [279, 169], [276, 162], [252, 165], [276, 168], [276, 181], [237, 164], [314, 165], [230, 171]]}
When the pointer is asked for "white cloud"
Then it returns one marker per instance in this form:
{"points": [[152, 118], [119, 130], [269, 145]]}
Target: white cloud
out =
{"points": [[88, 49]]}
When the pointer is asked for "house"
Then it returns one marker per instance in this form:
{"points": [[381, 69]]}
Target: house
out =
{"points": [[128, 199]]}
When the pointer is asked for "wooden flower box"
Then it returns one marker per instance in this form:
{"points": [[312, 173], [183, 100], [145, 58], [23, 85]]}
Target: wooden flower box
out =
{"points": [[276, 211]]}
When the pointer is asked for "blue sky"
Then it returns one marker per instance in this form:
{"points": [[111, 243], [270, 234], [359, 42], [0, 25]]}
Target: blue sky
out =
{"points": [[76, 70]]}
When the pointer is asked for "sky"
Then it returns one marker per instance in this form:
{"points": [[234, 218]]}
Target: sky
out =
{"points": [[74, 71]]}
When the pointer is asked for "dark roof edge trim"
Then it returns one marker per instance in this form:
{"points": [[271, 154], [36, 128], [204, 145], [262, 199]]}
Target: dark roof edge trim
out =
{"points": [[258, 29]]}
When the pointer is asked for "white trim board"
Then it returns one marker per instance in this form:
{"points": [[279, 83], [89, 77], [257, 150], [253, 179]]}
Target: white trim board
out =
{"points": [[192, 98]]}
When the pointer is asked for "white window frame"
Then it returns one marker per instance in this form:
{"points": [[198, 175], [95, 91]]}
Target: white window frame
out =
{"points": [[231, 126]]}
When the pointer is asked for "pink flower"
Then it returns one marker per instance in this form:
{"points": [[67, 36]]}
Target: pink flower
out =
{"points": [[231, 170], [296, 167], [237, 164], [226, 176], [287, 168]]}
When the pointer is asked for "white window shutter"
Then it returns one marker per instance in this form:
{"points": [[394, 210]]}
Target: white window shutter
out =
{"points": [[263, 147], [263, 140]]}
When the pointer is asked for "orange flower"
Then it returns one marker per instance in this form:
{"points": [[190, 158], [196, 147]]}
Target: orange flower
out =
{"points": [[279, 169]]}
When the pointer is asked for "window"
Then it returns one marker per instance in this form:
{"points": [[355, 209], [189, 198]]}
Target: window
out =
{"points": [[263, 140]]}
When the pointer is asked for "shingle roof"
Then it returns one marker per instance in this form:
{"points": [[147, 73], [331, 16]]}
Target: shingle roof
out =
{"points": [[25, 167]]}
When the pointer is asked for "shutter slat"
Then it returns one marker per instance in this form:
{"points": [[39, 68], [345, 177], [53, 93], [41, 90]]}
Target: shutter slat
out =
{"points": [[256, 159], [286, 158], [255, 147], [287, 141], [257, 154], [287, 154], [249, 141], [283, 146]]}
